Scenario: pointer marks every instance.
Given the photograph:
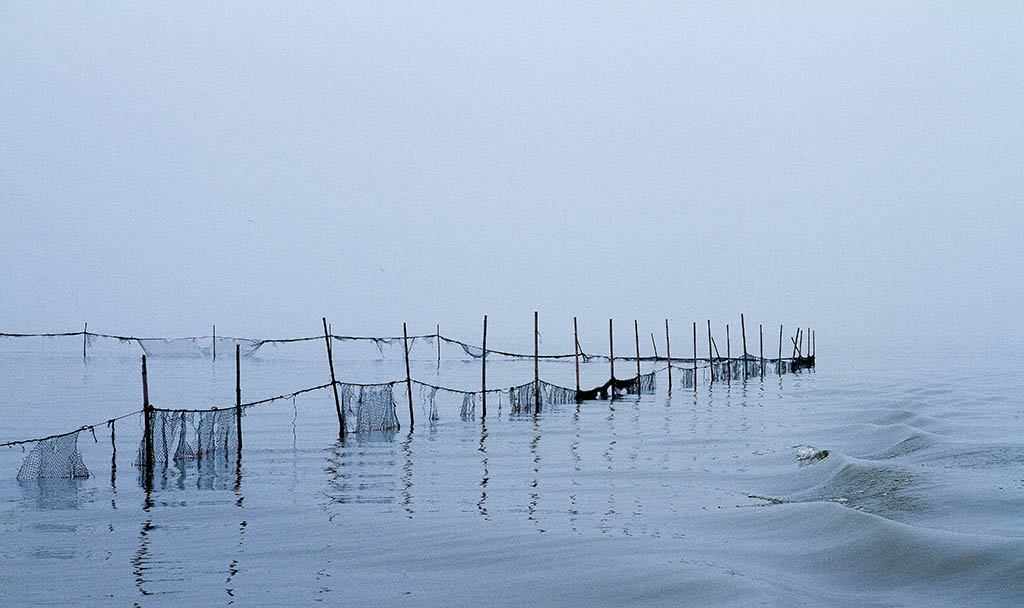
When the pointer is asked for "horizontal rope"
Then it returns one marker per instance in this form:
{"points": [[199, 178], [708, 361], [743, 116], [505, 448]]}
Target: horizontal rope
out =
{"points": [[87, 427]]}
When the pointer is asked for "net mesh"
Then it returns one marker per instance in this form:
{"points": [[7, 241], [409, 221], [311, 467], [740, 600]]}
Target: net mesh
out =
{"points": [[468, 411], [196, 347], [56, 458], [369, 408], [180, 436]]}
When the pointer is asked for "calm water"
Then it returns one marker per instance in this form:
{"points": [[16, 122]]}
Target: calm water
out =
{"points": [[721, 496]]}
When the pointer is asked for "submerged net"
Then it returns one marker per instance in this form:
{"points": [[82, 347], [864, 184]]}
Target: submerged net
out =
{"points": [[180, 436], [643, 384], [368, 408], [686, 376], [56, 458], [468, 411]]}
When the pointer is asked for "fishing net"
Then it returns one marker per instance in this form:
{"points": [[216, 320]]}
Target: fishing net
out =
{"points": [[468, 411], [368, 408], [428, 398], [56, 458], [197, 347], [523, 398], [686, 376], [180, 436], [643, 384]]}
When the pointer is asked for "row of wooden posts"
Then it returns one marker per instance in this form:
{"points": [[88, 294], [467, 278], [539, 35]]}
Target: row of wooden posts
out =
{"points": [[797, 352], [712, 349]]}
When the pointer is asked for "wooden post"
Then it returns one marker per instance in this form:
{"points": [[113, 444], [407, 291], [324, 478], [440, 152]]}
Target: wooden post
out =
{"points": [[779, 363], [814, 345], [536, 361], [483, 370], [655, 345], [711, 364], [238, 397], [576, 350], [408, 374], [438, 339], [760, 330], [636, 333], [743, 328], [611, 351], [695, 356], [668, 355], [728, 355], [147, 415], [85, 335], [334, 381], [214, 341]]}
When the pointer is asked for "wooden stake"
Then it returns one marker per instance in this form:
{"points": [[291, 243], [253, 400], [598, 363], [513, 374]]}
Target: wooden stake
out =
{"points": [[711, 365], [334, 381], [85, 335], [636, 333], [728, 355], [238, 397], [483, 370], [668, 355], [655, 345], [779, 363], [760, 330], [611, 351], [576, 340], [814, 345], [743, 328], [695, 356], [536, 360], [214, 341], [438, 339], [147, 414], [408, 374]]}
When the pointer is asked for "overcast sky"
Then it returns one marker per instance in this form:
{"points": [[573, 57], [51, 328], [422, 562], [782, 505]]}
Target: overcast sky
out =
{"points": [[857, 167]]}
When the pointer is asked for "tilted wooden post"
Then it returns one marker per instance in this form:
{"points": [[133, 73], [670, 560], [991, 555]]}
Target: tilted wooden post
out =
{"points": [[408, 374], [536, 360], [85, 335], [711, 364], [668, 354], [147, 414], [576, 350], [238, 397], [654, 344], [334, 381], [483, 372], [743, 328], [636, 332]]}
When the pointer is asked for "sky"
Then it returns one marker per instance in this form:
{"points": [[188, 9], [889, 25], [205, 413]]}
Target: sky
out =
{"points": [[855, 167]]}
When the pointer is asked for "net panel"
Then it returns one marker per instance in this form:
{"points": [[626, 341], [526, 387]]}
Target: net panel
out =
{"points": [[180, 436], [56, 458], [368, 408]]}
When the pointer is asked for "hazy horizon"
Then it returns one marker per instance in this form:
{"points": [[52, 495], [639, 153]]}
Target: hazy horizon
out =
{"points": [[854, 168]]}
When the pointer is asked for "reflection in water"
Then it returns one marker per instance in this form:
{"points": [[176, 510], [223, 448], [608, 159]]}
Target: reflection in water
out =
{"points": [[407, 475], [534, 491], [480, 505]]}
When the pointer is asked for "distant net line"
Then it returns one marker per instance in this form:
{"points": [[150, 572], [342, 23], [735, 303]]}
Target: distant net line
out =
{"points": [[471, 350]]}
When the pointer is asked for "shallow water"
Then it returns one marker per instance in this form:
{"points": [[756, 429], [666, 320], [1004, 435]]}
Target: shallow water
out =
{"points": [[868, 481]]}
